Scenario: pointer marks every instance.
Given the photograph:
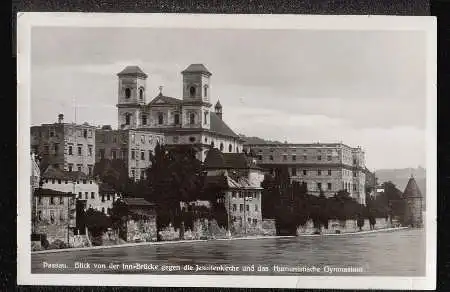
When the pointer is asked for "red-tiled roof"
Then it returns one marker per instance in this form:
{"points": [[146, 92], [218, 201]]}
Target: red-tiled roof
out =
{"points": [[49, 192], [218, 160], [132, 71], [56, 173], [197, 68], [136, 202]]}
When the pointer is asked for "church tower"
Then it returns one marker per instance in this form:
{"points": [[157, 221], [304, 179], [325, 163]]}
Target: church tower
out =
{"points": [[196, 96], [131, 97]]}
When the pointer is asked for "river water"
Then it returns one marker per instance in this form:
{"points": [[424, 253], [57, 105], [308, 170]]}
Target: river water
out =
{"points": [[396, 253]]}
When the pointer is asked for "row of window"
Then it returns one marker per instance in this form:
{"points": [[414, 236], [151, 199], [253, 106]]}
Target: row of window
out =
{"points": [[345, 185], [59, 181], [144, 119], [141, 93], [249, 220], [304, 150], [151, 139], [80, 168], [247, 208], [134, 172], [53, 200], [193, 90], [80, 150], [294, 157], [54, 218], [244, 194]]}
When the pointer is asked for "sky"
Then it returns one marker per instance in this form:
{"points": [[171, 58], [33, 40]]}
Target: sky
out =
{"points": [[362, 88]]}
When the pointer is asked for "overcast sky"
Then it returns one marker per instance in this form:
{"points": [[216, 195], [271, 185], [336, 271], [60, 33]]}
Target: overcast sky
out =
{"points": [[363, 88]]}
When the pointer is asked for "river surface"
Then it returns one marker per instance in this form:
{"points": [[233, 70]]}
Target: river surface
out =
{"points": [[395, 253]]}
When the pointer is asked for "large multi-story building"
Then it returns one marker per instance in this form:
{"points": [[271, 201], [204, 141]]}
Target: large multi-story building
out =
{"points": [[239, 179], [85, 188], [133, 146], [186, 121], [54, 214], [67, 146], [323, 167]]}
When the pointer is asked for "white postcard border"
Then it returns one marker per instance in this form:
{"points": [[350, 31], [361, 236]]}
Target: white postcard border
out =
{"points": [[28, 20]]}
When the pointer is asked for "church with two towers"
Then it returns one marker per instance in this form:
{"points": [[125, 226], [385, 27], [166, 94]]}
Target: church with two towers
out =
{"points": [[189, 120]]}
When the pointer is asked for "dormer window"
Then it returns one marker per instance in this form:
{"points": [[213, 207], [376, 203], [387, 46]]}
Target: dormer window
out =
{"points": [[127, 93], [141, 93], [192, 91]]}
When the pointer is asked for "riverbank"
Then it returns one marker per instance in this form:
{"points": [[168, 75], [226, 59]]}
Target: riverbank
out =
{"points": [[206, 240]]}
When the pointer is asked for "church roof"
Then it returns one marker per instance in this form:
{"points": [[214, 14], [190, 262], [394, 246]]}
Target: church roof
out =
{"points": [[165, 100], [219, 126], [196, 68], [412, 190], [132, 71]]}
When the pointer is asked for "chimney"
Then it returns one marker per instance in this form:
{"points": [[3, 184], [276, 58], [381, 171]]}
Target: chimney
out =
{"points": [[60, 118]]}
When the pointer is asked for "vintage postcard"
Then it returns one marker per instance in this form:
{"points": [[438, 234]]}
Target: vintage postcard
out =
{"points": [[226, 150]]}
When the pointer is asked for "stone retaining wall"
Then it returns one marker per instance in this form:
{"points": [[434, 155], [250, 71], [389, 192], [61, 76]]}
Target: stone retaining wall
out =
{"points": [[335, 226]]}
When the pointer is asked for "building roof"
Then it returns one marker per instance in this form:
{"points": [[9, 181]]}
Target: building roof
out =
{"points": [[215, 159], [165, 100], [132, 71], [136, 202], [412, 189], [56, 173], [226, 182], [49, 192], [218, 105], [196, 68], [218, 125]]}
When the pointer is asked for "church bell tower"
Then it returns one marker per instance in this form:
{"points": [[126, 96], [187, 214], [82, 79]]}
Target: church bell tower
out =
{"points": [[196, 96], [131, 96]]}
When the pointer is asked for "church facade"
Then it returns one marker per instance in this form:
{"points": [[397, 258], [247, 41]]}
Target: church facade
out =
{"points": [[189, 120]]}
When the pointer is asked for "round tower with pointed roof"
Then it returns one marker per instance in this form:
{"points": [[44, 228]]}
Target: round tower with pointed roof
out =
{"points": [[414, 204], [131, 96]]}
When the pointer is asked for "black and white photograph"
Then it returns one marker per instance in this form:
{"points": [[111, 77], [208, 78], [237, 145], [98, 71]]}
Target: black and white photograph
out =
{"points": [[226, 150]]}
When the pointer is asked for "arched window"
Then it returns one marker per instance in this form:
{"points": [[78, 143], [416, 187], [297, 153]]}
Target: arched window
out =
{"points": [[177, 119], [127, 93], [212, 144], [127, 118], [205, 91], [192, 118], [192, 91], [221, 146], [103, 210], [160, 118], [141, 93], [230, 148]]}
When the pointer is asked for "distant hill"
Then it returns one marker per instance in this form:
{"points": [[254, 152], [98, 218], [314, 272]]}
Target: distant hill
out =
{"points": [[256, 140], [400, 177]]}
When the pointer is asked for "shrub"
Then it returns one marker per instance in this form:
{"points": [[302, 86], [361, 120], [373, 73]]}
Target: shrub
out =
{"points": [[57, 244]]}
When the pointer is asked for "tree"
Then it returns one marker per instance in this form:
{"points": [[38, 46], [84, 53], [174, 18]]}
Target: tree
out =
{"points": [[175, 176], [97, 223], [115, 173]]}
